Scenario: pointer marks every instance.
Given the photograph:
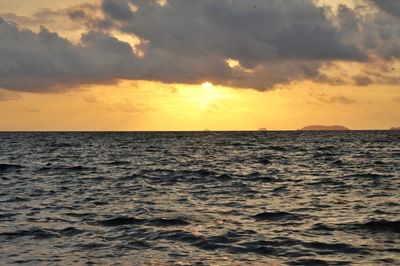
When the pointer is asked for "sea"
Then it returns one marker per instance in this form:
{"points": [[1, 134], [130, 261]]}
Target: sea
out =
{"points": [[200, 198]]}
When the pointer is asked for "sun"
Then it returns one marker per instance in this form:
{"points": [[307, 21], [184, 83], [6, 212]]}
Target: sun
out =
{"points": [[207, 85]]}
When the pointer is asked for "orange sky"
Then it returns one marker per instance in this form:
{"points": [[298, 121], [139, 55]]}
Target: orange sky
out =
{"points": [[147, 105], [154, 106]]}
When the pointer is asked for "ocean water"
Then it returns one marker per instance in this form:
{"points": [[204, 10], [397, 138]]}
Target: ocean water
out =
{"points": [[206, 198]]}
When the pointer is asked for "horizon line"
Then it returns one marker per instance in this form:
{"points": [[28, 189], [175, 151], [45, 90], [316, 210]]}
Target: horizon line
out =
{"points": [[183, 131]]}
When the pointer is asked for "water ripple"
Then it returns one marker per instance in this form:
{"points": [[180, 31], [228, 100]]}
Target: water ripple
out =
{"points": [[200, 198]]}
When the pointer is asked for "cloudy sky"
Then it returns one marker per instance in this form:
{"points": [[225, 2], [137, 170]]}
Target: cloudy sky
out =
{"points": [[197, 64]]}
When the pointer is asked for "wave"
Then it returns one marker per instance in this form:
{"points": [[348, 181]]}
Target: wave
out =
{"points": [[41, 234], [367, 175], [327, 148], [338, 162], [9, 167], [264, 179], [265, 160], [322, 227], [276, 216], [169, 222], [179, 235], [330, 181], [15, 199], [309, 262], [71, 231], [117, 163], [228, 242], [224, 177], [381, 226], [91, 245], [332, 247], [61, 145], [199, 172], [140, 244], [277, 148], [372, 225], [77, 168], [30, 262], [33, 233], [161, 222], [253, 199], [261, 247], [7, 217], [121, 221]]}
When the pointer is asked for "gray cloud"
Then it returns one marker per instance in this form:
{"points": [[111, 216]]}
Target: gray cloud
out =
{"points": [[86, 15], [127, 106], [340, 100], [117, 9], [90, 99], [362, 80], [257, 33], [44, 61], [327, 99], [275, 42], [391, 7], [42, 17]]}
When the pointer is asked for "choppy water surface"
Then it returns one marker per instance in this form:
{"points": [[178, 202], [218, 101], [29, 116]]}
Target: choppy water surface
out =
{"points": [[200, 198]]}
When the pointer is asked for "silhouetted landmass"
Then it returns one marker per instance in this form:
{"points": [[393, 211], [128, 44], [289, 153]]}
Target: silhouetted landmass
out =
{"points": [[395, 129], [324, 128], [262, 129]]}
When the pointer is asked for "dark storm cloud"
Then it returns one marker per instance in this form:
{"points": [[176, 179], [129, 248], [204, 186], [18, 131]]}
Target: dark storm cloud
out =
{"points": [[275, 42], [391, 7], [117, 9], [252, 32], [43, 61], [86, 14], [106, 43]]}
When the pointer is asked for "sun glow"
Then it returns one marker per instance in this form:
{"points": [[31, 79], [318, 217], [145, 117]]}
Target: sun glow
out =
{"points": [[207, 85], [232, 63]]}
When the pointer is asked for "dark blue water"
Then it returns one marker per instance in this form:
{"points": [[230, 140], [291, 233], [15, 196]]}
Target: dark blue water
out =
{"points": [[256, 198]]}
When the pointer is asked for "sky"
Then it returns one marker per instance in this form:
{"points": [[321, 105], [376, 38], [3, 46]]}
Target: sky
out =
{"points": [[194, 65]]}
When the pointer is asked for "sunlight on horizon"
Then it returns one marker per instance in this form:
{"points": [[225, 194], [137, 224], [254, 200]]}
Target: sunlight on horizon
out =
{"points": [[207, 85], [157, 106]]}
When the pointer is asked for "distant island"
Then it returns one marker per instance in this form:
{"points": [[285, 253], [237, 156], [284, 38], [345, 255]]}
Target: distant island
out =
{"points": [[262, 129], [324, 128], [395, 129]]}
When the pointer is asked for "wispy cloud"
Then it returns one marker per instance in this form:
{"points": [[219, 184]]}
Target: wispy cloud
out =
{"points": [[8, 95]]}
